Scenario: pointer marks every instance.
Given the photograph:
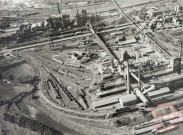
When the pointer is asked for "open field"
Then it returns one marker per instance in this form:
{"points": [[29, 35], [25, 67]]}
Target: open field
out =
{"points": [[5, 93], [23, 69]]}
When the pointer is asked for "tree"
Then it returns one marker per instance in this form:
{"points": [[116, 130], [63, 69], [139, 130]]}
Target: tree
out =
{"points": [[125, 55], [50, 23]]}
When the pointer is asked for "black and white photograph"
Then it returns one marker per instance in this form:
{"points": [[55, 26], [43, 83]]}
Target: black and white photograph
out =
{"points": [[91, 67]]}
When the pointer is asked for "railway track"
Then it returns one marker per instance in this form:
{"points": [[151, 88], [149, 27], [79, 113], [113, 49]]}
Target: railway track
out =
{"points": [[81, 125], [69, 37], [56, 84], [58, 95]]}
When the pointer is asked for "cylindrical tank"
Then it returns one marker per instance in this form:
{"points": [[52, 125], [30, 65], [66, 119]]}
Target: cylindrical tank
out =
{"points": [[141, 95]]}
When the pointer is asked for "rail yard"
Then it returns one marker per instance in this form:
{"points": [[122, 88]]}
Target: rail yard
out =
{"points": [[91, 67]]}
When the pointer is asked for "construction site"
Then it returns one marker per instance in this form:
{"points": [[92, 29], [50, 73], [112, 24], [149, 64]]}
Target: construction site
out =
{"points": [[89, 70]]}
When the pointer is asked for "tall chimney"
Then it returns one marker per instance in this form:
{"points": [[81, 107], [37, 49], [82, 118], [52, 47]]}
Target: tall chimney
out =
{"points": [[139, 82], [58, 9], [112, 62], [180, 57], [128, 79]]}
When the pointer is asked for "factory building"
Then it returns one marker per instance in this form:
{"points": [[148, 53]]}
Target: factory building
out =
{"points": [[129, 99], [73, 65], [153, 12], [119, 101], [158, 93], [111, 92], [175, 64], [89, 1], [126, 42], [178, 9], [78, 3], [111, 85], [105, 102], [105, 66], [75, 56]]}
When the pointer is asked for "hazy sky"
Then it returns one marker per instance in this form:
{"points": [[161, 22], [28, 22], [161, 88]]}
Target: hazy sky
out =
{"points": [[15, 1]]}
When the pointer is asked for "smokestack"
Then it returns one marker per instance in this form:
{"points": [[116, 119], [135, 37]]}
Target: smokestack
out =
{"points": [[136, 53], [77, 9], [180, 57], [58, 9], [128, 79], [112, 64], [121, 57], [139, 82]]}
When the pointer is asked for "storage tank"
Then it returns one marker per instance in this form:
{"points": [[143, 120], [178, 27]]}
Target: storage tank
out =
{"points": [[140, 95]]}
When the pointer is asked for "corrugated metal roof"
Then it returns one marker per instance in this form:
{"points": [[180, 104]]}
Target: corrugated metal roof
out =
{"points": [[105, 102], [122, 88], [159, 92], [128, 98], [113, 100], [119, 81], [129, 41]]}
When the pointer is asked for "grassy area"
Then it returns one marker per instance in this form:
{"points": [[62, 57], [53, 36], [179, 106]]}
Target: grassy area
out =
{"points": [[5, 93], [23, 69]]}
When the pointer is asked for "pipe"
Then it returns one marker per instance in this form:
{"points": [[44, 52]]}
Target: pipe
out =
{"points": [[149, 89], [141, 95]]}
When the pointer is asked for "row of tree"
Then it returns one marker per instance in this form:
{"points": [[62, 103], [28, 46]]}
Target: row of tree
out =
{"points": [[30, 124], [20, 79], [6, 63]]}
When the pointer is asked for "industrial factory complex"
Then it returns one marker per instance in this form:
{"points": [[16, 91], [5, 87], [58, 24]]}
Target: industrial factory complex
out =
{"points": [[91, 67]]}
